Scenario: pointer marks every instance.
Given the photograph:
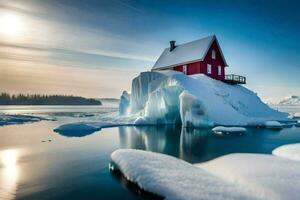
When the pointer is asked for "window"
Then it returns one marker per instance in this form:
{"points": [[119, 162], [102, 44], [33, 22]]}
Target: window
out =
{"points": [[184, 69], [213, 54], [219, 70], [208, 68]]}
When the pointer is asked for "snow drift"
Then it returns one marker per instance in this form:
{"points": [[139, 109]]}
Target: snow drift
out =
{"points": [[290, 151], [173, 178], [234, 176], [169, 97]]}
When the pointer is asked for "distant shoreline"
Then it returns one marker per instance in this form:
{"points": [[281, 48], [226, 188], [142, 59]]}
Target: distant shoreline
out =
{"points": [[47, 100]]}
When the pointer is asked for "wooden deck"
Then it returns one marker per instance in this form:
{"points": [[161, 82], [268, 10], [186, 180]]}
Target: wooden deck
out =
{"points": [[234, 79]]}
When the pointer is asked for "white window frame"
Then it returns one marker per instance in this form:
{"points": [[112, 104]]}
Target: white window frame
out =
{"points": [[213, 54], [184, 69], [208, 69], [219, 70]]}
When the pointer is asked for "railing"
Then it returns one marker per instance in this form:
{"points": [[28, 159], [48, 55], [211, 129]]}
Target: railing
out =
{"points": [[235, 79]]}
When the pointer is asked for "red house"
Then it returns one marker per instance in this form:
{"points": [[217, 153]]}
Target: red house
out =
{"points": [[202, 56]]}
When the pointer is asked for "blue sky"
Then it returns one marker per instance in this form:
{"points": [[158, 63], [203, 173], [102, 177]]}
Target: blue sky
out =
{"points": [[94, 48]]}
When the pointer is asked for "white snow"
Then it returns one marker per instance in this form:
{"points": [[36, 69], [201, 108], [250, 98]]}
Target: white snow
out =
{"points": [[173, 178], [273, 125], [6, 119], [234, 176], [223, 129], [290, 151], [197, 101], [266, 176], [192, 51]]}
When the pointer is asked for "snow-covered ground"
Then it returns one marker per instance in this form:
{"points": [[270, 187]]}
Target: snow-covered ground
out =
{"points": [[266, 176], [173, 178], [6, 119], [234, 176], [290, 151], [169, 97]]}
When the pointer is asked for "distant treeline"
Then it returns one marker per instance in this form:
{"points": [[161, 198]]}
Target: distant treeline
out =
{"points": [[36, 99]]}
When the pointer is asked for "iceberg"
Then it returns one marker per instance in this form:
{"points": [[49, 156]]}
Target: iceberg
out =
{"points": [[124, 103], [169, 97]]}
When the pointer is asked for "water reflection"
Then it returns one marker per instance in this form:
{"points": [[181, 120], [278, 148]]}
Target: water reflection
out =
{"points": [[199, 145], [9, 174], [162, 139]]}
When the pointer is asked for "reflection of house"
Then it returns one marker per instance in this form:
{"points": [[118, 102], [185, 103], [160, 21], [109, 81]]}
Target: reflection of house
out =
{"points": [[203, 56]]}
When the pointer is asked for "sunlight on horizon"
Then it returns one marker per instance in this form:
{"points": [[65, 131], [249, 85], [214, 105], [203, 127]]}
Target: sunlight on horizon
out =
{"points": [[9, 175], [11, 25]]}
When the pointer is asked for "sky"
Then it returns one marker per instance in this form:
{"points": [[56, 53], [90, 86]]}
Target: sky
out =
{"points": [[94, 48]]}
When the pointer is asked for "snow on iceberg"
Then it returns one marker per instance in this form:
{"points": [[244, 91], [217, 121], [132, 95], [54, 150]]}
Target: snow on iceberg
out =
{"points": [[266, 176], [173, 178], [290, 151], [171, 97], [223, 129]]}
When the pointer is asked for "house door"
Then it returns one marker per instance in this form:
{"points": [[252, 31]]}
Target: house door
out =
{"points": [[184, 69]]}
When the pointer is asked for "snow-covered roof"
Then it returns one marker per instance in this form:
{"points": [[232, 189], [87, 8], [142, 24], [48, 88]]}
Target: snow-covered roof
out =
{"points": [[186, 53]]}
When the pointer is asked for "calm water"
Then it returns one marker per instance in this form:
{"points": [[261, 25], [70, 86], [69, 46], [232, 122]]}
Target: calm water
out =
{"points": [[77, 167]]}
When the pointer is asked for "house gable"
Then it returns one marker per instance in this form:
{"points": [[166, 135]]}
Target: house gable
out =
{"points": [[188, 53]]}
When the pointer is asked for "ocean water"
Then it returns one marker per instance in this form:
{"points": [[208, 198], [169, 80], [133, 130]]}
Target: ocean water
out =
{"points": [[37, 163]]}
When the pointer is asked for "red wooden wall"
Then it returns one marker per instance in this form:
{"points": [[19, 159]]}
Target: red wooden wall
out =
{"points": [[201, 66]]}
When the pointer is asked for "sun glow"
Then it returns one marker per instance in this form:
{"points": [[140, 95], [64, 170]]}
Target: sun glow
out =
{"points": [[8, 173], [10, 24]]}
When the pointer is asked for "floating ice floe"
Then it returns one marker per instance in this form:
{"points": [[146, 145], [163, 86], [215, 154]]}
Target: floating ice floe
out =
{"points": [[196, 101], [173, 178], [234, 176], [6, 119], [273, 125], [223, 129], [290, 151], [296, 115], [80, 129]]}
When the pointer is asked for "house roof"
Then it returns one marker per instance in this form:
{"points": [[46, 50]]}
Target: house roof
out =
{"points": [[186, 53]]}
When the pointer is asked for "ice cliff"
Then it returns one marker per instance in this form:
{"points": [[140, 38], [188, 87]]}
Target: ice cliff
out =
{"points": [[169, 97]]}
